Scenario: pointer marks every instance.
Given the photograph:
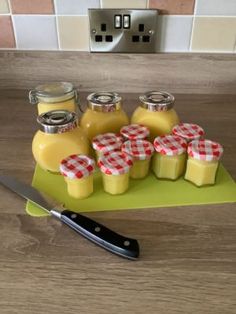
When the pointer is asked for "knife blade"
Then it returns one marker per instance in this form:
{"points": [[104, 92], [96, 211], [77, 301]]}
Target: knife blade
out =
{"points": [[90, 229]]}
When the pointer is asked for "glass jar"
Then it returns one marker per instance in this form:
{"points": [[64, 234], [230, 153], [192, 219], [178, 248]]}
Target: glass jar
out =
{"points": [[134, 132], [115, 168], [188, 131], [141, 152], [156, 113], [170, 157], [106, 143], [54, 96], [103, 115], [78, 173], [59, 136], [203, 161]]}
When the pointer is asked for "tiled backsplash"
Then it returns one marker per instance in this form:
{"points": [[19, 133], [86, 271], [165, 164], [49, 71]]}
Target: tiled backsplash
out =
{"points": [[184, 25]]}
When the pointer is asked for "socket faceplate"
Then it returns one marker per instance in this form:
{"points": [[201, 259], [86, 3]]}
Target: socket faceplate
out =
{"points": [[123, 30]]}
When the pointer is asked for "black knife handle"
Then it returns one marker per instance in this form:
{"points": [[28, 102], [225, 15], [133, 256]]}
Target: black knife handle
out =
{"points": [[101, 235]]}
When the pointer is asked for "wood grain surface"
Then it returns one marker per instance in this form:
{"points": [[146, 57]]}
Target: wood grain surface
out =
{"points": [[188, 254], [136, 73]]}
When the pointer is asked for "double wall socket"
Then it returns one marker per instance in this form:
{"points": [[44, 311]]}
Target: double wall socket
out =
{"points": [[123, 30]]}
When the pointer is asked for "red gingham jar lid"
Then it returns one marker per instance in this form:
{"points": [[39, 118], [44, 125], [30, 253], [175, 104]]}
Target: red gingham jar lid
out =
{"points": [[135, 131], [115, 163], [107, 142], [77, 166], [170, 145], [189, 131], [205, 150], [138, 149]]}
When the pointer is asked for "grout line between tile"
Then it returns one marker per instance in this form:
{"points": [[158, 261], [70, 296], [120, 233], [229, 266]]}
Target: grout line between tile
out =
{"points": [[191, 37], [57, 29], [193, 24], [13, 25], [55, 7], [58, 35]]}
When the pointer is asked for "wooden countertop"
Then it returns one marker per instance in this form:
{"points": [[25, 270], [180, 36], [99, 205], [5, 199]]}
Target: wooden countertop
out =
{"points": [[188, 254]]}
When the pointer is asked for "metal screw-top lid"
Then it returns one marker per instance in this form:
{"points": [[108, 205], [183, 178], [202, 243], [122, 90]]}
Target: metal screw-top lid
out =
{"points": [[104, 101], [52, 92], [157, 101], [57, 121]]}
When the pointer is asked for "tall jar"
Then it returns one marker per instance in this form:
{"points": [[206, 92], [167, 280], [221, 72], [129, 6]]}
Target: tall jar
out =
{"points": [[156, 112], [104, 114], [54, 96], [58, 137]]}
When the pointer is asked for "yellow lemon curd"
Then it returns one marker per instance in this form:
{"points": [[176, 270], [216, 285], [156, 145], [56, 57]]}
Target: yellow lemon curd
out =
{"points": [[44, 106], [80, 188], [50, 149], [168, 167], [95, 122], [201, 172], [139, 169], [115, 184], [158, 122]]}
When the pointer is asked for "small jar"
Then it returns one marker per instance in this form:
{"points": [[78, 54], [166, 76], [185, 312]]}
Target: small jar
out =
{"points": [[54, 96], [115, 168], [134, 132], [105, 143], [170, 157], [188, 131], [203, 161], [104, 114], [141, 152], [156, 113], [59, 136], [78, 173]]}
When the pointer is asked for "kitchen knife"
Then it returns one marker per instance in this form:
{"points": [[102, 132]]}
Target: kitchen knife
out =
{"points": [[85, 226]]}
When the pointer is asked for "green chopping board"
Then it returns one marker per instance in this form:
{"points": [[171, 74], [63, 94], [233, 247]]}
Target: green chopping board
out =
{"points": [[146, 193]]}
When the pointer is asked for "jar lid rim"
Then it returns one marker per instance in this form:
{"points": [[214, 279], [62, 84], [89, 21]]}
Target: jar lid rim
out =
{"points": [[157, 99], [57, 121], [53, 89]]}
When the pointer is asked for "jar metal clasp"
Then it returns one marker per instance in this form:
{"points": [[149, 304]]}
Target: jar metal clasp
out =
{"points": [[33, 97]]}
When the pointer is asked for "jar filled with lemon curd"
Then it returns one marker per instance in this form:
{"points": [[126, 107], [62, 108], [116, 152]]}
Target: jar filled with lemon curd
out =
{"points": [[77, 171], [203, 162], [54, 96], [115, 168], [170, 157], [156, 113], [104, 114], [141, 152], [58, 137]]}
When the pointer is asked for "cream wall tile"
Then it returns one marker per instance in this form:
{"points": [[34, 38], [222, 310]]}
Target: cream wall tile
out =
{"points": [[4, 7], [70, 7], [174, 33], [73, 32], [216, 34], [36, 32], [216, 7], [133, 4]]}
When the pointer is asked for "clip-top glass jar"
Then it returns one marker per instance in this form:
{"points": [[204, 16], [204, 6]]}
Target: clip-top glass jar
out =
{"points": [[156, 112], [104, 114], [54, 96], [59, 137]]}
